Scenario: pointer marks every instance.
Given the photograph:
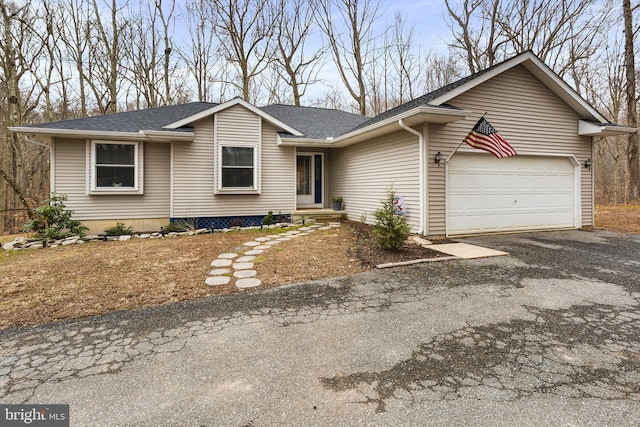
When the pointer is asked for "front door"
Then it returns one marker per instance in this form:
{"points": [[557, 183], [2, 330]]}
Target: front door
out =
{"points": [[309, 180]]}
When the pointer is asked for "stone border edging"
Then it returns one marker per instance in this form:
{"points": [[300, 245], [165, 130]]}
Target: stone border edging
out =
{"points": [[21, 243]]}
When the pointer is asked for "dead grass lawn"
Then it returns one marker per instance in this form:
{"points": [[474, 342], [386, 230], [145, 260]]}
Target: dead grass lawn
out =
{"points": [[618, 218], [46, 285]]}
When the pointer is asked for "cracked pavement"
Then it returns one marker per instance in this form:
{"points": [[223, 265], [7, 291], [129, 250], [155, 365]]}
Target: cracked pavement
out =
{"points": [[548, 335]]}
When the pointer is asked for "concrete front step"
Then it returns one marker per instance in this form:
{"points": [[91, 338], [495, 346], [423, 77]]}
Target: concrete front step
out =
{"points": [[321, 215]]}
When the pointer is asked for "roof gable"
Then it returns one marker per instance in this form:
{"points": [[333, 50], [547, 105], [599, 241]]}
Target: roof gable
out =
{"points": [[235, 101], [536, 67], [439, 98]]}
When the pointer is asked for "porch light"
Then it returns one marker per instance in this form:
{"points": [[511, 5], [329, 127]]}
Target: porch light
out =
{"points": [[437, 158], [587, 164]]}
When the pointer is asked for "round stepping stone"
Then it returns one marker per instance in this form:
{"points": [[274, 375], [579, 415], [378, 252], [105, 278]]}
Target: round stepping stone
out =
{"points": [[262, 239], [262, 247], [254, 252], [335, 224], [273, 236], [227, 256], [251, 282], [304, 228], [250, 244], [245, 259], [326, 227], [293, 232], [283, 239], [242, 265], [219, 272], [315, 226], [217, 280], [273, 242], [221, 263], [244, 274]]}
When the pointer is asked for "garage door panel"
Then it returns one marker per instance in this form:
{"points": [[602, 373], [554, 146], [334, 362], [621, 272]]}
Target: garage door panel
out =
{"points": [[485, 194]]}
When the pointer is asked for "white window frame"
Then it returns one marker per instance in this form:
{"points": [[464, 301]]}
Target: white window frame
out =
{"points": [[254, 189], [138, 184]]}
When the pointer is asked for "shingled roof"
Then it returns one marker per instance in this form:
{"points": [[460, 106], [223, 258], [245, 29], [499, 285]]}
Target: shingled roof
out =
{"points": [[131, 121], [315, 122]]}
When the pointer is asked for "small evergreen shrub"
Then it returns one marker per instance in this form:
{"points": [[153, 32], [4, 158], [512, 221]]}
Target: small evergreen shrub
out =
{"points": [[118, 230], [53, 221], [269, 219], [390, 228], [176, 227]]}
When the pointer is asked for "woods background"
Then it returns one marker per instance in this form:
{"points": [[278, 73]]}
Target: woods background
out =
{"points": [[62, 59]]}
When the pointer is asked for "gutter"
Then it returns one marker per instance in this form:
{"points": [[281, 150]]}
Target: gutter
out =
{"points": [[142, 135], [422, 171], [447, 115]]}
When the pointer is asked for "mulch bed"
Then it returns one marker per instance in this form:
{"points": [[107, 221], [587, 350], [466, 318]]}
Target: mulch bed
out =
{"points": [[368, 251]]}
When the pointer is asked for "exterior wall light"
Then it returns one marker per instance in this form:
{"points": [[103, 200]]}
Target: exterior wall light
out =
{"points": [[588, 164], [437, 158]]}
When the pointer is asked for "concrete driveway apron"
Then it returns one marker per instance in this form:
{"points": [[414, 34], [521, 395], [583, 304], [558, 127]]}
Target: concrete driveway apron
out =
{"points": [[547, 335]]}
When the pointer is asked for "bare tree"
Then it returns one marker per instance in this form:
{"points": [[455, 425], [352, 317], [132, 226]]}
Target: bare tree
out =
{"points": [[349, 28], [294, 20], [75, 33], [560, 32], [475, 37], [106, 54], [440, 70], [198, 54], [244, 29], [17, 43], [633, 156]]}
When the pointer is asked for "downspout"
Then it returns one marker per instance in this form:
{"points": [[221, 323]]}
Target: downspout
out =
{"points": [[421, 173]]}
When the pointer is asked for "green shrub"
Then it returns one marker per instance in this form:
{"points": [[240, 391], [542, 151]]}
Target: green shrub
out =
{"points": [[176, 227], [269, 219], [390, 228], [52, 221], [118, 230]]}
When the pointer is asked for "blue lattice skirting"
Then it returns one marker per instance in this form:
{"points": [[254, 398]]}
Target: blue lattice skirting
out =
{"points": [[220, 222]]}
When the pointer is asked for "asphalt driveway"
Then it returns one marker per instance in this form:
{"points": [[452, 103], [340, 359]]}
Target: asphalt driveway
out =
{"points": [[549, 335]]}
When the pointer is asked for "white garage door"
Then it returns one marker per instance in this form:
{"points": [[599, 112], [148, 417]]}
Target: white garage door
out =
{"points": [[486, 194]]}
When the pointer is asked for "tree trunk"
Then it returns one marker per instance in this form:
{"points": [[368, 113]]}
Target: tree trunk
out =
{"points": [[632, 115]]}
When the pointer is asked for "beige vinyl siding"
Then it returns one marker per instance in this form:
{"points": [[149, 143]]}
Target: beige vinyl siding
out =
{"points": [[195, 169], [363, 173], [528, 115], [71, 179]]}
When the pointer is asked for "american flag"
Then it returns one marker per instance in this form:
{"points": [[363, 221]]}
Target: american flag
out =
{"points": [[486, 137]]}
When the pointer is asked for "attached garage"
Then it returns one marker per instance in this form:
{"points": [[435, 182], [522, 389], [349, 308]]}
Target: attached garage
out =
{"points": [[486, 194]]}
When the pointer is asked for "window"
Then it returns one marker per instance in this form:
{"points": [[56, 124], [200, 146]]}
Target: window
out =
{"points": [[114, 167], [237, 166]]}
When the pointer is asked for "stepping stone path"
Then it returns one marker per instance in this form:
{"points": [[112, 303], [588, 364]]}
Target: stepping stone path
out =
{"points": [[238, 267]]}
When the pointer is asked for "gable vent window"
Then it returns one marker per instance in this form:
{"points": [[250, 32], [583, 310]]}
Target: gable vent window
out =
{"points": [[115, 167], [238, 167]]}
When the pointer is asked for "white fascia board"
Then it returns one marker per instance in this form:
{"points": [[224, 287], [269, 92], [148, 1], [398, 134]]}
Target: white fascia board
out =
{"points": [[594, 129], [223, 106], [74, 133], [143, 135], [529, 60], [168, 136], [304, 142], [438, 114]]}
